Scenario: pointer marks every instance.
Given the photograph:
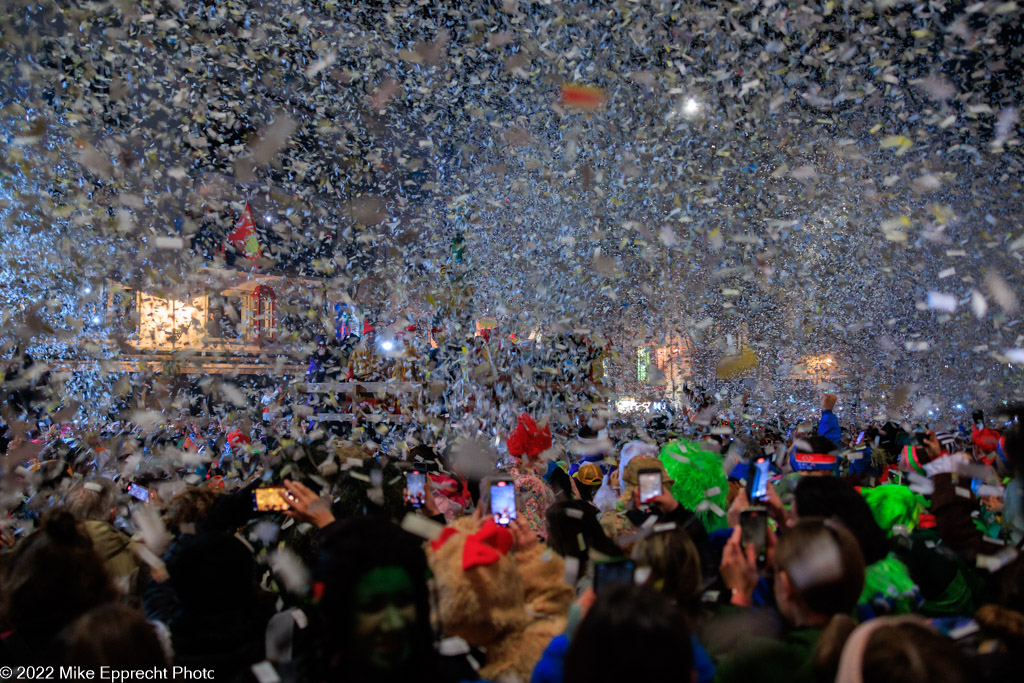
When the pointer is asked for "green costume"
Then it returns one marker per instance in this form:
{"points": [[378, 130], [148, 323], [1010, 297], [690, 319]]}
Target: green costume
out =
{"points": [[695, 471]]}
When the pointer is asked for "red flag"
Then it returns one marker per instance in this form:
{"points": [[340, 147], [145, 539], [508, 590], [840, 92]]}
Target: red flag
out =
{"points": [[244, 235]]}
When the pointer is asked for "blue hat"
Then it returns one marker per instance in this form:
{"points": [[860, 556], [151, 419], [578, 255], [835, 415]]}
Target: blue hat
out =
{"points": [[821, 456], [739, 472]]}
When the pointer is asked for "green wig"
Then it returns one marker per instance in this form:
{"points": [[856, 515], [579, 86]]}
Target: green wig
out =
{"points": [[893, 504], [694, 471]]}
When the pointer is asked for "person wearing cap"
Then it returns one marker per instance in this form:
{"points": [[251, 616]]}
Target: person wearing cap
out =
{"points": [[588, 479], [828, 426], [629, 516]]}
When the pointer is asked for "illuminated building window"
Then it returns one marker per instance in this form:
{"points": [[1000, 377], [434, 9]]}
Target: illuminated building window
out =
{"points": [[643, 363]]}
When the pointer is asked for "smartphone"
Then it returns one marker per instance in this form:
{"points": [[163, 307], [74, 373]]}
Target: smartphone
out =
{"points": [[503, 501], [860, 438], [270, 498], [415, 486], [757, 480], [896, 477], [612, 573], [140, 492], [650, 484], [754, 530]]}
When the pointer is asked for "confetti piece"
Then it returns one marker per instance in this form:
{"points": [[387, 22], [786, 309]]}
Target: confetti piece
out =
{"points": [[582, 96]]}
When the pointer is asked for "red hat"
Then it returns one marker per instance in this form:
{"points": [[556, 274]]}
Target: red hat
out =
{"points": [[986, 440], [528, 439], [367, 327]]}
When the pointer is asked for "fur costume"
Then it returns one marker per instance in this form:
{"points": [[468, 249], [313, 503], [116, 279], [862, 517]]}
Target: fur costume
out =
{"points": [[509, 603]]}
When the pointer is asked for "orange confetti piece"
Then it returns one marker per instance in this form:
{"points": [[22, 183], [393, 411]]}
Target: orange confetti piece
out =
{"points": [[582, 96]]}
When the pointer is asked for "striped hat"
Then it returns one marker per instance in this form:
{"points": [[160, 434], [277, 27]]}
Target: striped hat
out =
{"points": [[947, 440]]}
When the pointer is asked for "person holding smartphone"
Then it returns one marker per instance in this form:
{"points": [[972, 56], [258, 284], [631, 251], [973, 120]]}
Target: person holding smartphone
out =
{"points": [[817, 575], [641, 502]]}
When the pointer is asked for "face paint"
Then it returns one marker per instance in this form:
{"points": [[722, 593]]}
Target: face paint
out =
{"points": [[385, 617]]}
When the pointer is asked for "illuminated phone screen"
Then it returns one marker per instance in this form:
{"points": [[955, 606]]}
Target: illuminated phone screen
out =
{"points": [[270, 498], [503, 502]]}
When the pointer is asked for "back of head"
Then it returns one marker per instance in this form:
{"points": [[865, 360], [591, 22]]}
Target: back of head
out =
{"points": [[189, 509], [674, 563], [214, 572], [573, 530], [831, 497], [823, 563], [813, 454], [52, 578], [352, 550], [92, 500], [630, 633], [114, 636], [900, 650]]}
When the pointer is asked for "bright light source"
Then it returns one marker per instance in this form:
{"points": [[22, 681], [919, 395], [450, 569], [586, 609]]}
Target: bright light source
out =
{"points": [[691, 107], [96, 320], [269, 219], [387, 345], [87, 290]]}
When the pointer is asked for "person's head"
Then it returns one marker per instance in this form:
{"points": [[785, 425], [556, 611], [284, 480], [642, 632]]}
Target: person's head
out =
{"points": [[889, 650], [631, 482], [588, 480], [92, 500], [115, 636], [1010, 450], [832, 497], [375, 600], [813, 455], [819, 572], [674, 563], [187, 510], [53, 577], [573, 531], [630, 633]]}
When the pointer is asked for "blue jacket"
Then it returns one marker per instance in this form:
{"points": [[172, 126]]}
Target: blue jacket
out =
{"points": [[828, 427], [551, 667]]}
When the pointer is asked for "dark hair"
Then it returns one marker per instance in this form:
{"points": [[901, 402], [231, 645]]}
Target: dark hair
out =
{"points": [[831, 497], [568, 522], [1013, 445], [357, 497], [198, 562], [54, 576], [114, 636], [630, 633], [348, 551], [897, 653], [191, 506], [828, 585]]}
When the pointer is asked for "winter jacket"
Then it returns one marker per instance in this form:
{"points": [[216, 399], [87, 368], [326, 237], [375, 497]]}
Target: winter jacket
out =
{"points": [[828, 427], [789, 660], [116, 551]]}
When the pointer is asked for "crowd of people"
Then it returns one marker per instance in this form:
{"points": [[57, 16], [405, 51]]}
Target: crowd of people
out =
{"points": [[681, 546]]}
